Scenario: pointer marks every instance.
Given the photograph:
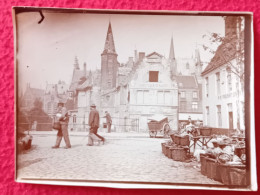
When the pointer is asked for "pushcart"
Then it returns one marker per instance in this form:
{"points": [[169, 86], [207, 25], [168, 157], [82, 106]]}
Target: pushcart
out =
{"points": [[161, 126]]}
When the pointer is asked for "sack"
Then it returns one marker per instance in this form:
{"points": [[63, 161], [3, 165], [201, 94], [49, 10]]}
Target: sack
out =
{"points": [[56, 126]]}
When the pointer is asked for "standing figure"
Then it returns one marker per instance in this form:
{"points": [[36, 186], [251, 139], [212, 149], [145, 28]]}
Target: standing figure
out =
{"points": [[63, 117], [93, 122], [109, 122]]}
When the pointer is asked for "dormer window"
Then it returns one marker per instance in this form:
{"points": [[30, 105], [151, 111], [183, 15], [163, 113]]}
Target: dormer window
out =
{"points": [[153, 76]]}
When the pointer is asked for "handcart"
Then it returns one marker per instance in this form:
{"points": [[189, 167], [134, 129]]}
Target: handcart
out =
{"points": [[161, 126]]}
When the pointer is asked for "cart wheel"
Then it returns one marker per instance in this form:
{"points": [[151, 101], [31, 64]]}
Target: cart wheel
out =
{"points": [[166, 130], [153, 133]]}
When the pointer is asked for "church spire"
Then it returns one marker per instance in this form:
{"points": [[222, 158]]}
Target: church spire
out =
{"points": [[197, 57], [109, 44], [76, 63], [172, 54]]}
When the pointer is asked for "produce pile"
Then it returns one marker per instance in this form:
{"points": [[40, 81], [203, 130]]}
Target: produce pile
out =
{"points": [[227, 150]]}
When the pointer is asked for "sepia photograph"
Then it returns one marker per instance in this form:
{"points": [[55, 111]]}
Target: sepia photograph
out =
{"points": [[136, 99]]}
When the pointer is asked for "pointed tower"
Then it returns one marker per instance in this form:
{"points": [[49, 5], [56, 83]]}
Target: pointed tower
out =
{"points": [[172, 54], [198, 65], [109, 63], [172, 60], [76, 63], [198, 62]]}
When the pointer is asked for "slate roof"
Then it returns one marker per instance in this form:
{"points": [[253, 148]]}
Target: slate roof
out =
{"points": [[77, 75]]}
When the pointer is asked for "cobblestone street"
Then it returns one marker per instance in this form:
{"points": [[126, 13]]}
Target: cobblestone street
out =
{"points": [[123, 157]]}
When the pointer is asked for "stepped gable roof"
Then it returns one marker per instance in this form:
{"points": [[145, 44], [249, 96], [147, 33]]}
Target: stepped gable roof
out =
{"points": [[225, 53], [187, 82]]}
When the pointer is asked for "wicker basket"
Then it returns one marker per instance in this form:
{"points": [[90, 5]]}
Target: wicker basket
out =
{"points": [[203, 167], [167, 150], [205, 131], [177, 139], [163, 148], [240, 151], [233, 174], [169, 154], [212, 169], [237, 176], [185, 141], [172, 137], [215, 144], [179, 154]]}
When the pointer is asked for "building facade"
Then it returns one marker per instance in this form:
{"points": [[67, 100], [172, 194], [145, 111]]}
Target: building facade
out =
{"points": [[53, 94], [153, 92], [223, 82], [143, 88], [190, 98]]}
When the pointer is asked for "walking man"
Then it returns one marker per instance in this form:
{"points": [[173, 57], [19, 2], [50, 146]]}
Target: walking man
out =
{"points": [[63, 117], [93, 122], [109, 122]]}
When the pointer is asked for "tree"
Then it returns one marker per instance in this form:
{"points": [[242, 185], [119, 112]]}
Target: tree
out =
{"points": [[44, 122]]}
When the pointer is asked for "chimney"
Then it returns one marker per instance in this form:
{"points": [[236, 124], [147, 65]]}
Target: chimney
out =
{"points": [[141, 56], [231, 24]]}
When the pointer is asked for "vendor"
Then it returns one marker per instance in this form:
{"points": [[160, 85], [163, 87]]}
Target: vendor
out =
{"points": [[190, 125]]}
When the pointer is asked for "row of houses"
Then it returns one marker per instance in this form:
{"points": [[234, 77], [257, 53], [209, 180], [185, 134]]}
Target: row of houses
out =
{"points": [[151, 86]]}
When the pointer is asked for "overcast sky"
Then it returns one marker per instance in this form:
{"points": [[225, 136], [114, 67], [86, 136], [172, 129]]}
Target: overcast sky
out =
{"points": [[46, 51]]}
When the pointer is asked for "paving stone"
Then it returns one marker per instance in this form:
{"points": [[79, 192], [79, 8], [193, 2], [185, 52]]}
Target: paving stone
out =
{"points": [[120, 159]]}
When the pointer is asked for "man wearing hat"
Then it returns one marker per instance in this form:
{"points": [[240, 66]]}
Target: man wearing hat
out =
{"points": [[63, 117], [93, 122]]}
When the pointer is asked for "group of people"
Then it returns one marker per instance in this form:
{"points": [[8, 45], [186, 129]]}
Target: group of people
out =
{"points": [[62, 116]]}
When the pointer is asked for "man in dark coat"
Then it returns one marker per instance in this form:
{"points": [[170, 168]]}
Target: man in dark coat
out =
{"points": [[93, 122], [109, 122]]}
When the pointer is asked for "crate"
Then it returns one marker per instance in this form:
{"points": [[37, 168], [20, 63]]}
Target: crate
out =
{"points": [[203, 167], [212, 169], [179, 154], [232, 174], [205, 131], [185, 141]]}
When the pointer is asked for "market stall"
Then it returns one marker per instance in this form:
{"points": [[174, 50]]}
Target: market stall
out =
{"points": [[221, 157]]}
